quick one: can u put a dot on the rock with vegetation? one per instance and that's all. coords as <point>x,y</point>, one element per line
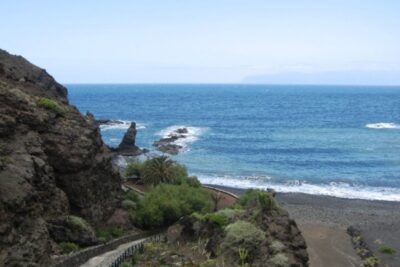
<point>52,163</point>
<point>257,231</point>
<point>72,229</point>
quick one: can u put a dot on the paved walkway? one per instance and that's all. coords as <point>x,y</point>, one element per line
<point>106,259</point>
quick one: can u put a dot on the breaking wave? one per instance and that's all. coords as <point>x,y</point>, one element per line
<point>383,125</point>
<point>120,124</point>
<point>334,189</point>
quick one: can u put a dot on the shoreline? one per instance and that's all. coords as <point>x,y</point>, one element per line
<point>324,221</point>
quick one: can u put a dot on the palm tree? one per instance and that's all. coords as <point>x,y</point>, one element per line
<point>158,170</point>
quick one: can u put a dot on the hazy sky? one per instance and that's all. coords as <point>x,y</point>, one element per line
<point>207,41</point>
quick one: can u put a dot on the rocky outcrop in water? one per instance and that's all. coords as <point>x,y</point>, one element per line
<point>168,145</point>
<point>52,163</point>
<point>127,145</point>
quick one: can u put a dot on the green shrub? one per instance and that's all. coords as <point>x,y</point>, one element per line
<point>135,169</point>
<point>242,235</point>
<point>387,250</point>
<point>128,205</point>
<point>78,223</point>
<point>166,203</point>
<point>106,234</point>
<point>50,104</point>
<point>280,260</point>
<point>193,181</point>
<point>276,246</point>
<point>230,214</point>
<point>132,196</point>
<point>68,247</point>
<point>217,219</point>
<point>371,262</point>
<point>252,196</point>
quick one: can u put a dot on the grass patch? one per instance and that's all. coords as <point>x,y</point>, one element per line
<point>132,196</point>
<point>78,223</point>
<point>50,104</point>
<point>68,247</point>
<point>387,250</point>
<point>106,234</point>
<point>371,262</point>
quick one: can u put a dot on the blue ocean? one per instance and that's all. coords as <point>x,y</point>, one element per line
<point>332,140</point>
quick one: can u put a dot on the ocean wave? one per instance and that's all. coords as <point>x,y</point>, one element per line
<point>383,125</point>
<point>120,125</point>
<point>334,189</point>
<point>192,135</point>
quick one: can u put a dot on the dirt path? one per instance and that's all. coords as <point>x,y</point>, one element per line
<point>328,246</point>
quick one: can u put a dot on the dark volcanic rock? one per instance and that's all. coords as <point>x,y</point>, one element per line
<point>52,162</point>
<point>128,141</point>
<point>71,229</point>
<point>167,144</point>
<point>127,145</point>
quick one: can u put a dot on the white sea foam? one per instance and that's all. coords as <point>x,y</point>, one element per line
<point>343,190</point>
<point>383,125</point>
<point>120,161</point>
<point>191,136</point>
<point>121,124</point>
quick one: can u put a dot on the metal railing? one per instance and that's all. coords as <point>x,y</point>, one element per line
<point>128,252</point>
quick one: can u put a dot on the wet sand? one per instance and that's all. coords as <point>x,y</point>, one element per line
<point>324,220</point>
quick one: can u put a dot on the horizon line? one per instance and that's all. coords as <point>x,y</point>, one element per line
<point>227,83</point>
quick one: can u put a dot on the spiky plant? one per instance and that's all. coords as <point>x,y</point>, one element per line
<point>158,170</point>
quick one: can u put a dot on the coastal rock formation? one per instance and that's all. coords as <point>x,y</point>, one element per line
<point>52,163</point>
<point>127,145</point>
<point>168,145</point>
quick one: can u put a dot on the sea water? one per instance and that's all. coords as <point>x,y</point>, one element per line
<point>332,140</point>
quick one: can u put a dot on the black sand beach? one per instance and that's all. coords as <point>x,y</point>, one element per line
<point>324,220</point>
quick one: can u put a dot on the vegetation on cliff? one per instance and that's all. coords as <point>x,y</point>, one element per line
<point>254,232</point>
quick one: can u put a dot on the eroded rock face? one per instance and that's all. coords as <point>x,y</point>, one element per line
<point>52,163</point>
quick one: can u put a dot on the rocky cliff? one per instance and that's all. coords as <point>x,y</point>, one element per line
<point>52,163</point>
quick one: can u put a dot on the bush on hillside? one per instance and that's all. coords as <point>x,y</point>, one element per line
<point>131,195</point>
<point>242,235</point>
<point>50,104</point>
<point>166,203</point>
<point>68,247</point>
<point>106,234</point>
<point>256,196</point>
<point>135,169</point>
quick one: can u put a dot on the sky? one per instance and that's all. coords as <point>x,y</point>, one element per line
<point>207,41</point>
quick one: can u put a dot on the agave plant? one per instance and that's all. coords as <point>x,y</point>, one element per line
<point>158,170</point>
